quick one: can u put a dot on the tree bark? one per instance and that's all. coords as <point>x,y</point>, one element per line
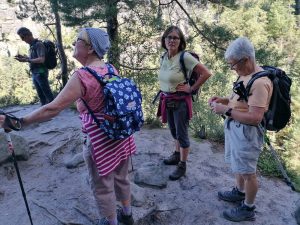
<point>61,52</point>
<point>297,7</point>
<point>112,30</point>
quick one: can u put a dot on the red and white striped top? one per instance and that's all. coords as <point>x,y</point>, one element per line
<point>107,153</point>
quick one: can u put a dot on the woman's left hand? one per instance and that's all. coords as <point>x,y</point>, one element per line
<point>183,88</point>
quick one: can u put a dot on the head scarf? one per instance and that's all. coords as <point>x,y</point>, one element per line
<point>99,40</point>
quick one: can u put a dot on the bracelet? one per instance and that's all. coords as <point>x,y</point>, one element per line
<point>228,112</point>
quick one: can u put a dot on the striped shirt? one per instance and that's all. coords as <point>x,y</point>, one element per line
<point>106,152</point>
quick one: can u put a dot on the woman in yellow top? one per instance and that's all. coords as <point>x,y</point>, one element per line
<point>175,99</point>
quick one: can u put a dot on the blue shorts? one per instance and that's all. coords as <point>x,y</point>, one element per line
<point>243,144</point>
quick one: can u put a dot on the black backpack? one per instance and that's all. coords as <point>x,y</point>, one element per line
<point>194,76</point>
<point>279,112</point>
<point>50,54</point>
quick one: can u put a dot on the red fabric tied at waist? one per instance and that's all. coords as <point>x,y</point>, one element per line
<point>162,109</point>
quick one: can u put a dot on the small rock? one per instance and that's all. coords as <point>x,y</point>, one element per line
<point>75,161</point>
<point>151,175</point>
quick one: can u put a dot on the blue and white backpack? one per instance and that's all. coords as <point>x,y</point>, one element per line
<point>123,113</point>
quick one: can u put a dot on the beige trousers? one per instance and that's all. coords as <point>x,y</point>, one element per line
<point>109,188</point>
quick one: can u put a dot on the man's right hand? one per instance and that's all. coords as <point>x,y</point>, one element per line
<point>22,58</point>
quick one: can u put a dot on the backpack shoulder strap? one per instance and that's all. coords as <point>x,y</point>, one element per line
<point>255,76</point>
<point>102,82</point>
<point>95,74</point>
<point>110,69</point>
<point>182,65</point>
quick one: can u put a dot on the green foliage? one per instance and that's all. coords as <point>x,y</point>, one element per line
<point>15,85</point>
<point>270,25</point>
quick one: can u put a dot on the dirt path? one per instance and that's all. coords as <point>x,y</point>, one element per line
<point>58,195</point>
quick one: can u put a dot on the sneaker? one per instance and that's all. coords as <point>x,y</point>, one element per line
<point>173,159</point>
<point>103,221</point>
<point>179,172</point>
<point>124,219</point>
<point>240,213</point>
<point>232,196</point>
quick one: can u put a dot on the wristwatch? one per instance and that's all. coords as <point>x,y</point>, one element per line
<point>228,112</point>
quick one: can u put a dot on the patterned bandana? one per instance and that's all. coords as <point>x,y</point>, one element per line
<point>99,40</point>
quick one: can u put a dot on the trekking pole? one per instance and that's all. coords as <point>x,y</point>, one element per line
<point>15,125</point>
<point>11,149</point>
<point>276,157</point>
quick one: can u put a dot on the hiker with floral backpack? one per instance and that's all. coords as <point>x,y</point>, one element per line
<point>107,159</point>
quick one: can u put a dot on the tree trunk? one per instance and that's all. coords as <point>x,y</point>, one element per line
<point>62,55</point>
<point>297,7</point>
<point>112,30</point>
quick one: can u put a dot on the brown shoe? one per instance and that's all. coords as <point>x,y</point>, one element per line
<point>179,172</point>
<point>173,159</point>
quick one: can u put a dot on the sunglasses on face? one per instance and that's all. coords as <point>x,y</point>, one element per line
<point>169,38</point>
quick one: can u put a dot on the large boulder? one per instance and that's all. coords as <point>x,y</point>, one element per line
<point>20,145</point>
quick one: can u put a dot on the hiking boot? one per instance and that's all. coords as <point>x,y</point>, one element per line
<point>232,196</point>
<point>240,213</point>
<point>103,221</point>
<point>124,219</point>
<point>173,159</point>
<point>179,172</point>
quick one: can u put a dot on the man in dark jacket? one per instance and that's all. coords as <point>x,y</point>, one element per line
<point>36,61</point>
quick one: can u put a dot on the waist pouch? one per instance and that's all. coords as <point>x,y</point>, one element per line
<point>172,104</point>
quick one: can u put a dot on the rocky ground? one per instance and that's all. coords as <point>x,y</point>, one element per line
<point>55,180</point>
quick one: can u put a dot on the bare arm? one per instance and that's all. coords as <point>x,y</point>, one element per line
<point>22,58</point>
<point>204,75</point>
<point>71,92</point>
<point>252,117</point>
<point>217,99</point>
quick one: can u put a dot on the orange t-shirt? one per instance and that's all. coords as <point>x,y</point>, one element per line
<point>260,94</point>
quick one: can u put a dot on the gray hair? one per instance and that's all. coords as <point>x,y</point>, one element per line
<point>240,48</point>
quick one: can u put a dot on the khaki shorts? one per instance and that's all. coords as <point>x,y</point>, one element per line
<point>243,144</point>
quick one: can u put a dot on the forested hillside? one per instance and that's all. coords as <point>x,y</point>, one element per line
<point>135,28</point>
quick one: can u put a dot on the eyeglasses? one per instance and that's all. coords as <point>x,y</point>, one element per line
<point>169,38</point>
<point>232,66</point>
<point>79,39</point>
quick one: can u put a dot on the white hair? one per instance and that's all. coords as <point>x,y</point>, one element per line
<point>240,48</point>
